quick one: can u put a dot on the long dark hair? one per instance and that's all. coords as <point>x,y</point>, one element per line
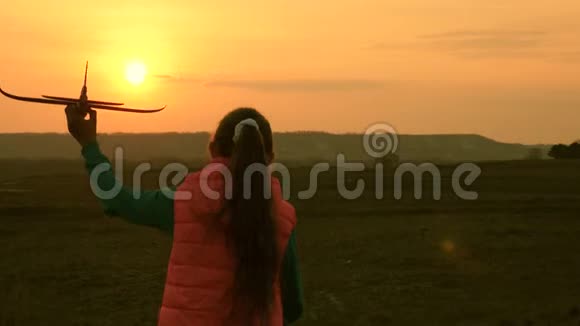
<point>252,227</point>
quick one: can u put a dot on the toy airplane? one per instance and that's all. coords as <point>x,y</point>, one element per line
<point>83,100</point>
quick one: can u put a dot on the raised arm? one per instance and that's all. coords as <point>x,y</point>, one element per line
<point>292,290</point>
<point>144,207</point>
<point>153,208</point>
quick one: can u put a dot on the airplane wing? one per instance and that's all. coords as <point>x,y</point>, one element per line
<point>116,108</point>
<point>64,101</point>
<point>37,100</point>
<point>75,99</point>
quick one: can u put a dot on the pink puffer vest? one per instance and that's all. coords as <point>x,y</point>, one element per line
<point>200,275</point>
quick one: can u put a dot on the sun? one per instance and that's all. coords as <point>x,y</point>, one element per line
<point>135,73</point>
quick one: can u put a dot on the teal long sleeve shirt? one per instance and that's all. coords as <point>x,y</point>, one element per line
<point>153,208</point>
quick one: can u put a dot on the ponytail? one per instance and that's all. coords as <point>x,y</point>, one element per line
<point>252,227</point>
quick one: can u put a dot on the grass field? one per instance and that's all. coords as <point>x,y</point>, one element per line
<point>512,257</point>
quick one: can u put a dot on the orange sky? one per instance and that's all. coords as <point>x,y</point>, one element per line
<point>509,70</point>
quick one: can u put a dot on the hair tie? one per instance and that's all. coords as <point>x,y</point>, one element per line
<point>240,126</point>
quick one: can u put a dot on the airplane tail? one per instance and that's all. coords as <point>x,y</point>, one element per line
<point>84,97</point>
<point>86,71</point>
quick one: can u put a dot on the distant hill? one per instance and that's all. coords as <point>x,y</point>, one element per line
<point>290,147</point>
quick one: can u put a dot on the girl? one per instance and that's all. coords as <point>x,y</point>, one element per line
<point>233,260</point>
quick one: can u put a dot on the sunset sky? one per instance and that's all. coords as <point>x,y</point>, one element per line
<point>508,70</point>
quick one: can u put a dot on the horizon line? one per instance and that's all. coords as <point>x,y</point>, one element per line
<point>280,133</point>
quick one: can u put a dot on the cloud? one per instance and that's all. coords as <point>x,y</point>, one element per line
<point>485,40</point>
<point>484,34</point>
<point>163,76</point>
<point>566,57</point>
<point>291,85</point>
<point>300,85</point>
<point>476,43</point>
<point>176,79</point>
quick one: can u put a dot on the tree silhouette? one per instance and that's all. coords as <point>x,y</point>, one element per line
<point>561,151</point>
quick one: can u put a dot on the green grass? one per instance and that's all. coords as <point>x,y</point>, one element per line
<point>510,258</point>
